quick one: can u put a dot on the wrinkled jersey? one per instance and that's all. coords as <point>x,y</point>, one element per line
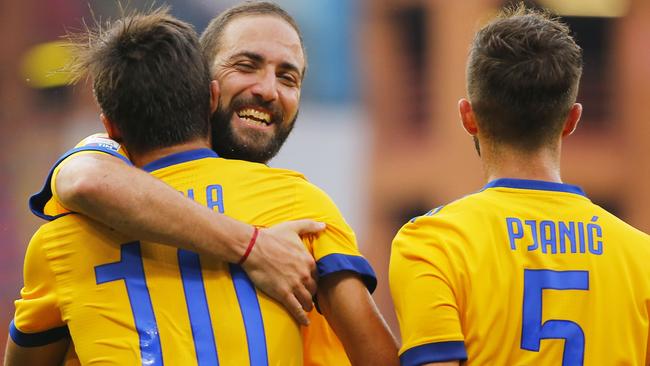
<point>522,273</point>
<point>129,302</point>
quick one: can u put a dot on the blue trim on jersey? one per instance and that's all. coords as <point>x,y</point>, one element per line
<point>535,184</point>
<point>38,200</point>
<point>429,213</point>
<point>205,346</point>
<point>181,157</point>
<point>333,263</point>
<point>434,352</point>
<point>130,269</point>
<point>251,313</point>
<point>37,339</point>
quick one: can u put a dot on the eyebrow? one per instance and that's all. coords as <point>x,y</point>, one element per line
<point>259,58</point>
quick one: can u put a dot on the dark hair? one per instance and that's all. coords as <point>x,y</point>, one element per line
<point>522,77</point>
<point>149,76</point>
<point>211,36</point>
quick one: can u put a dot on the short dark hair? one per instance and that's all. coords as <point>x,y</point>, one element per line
<point>522,77</point>
<point>149,77</point>
<point>211,36</point>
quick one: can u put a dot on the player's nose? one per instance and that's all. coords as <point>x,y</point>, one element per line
<point>265,86</point>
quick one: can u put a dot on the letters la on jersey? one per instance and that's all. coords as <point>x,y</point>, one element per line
<point>130,302</point>
<point>522,273</point>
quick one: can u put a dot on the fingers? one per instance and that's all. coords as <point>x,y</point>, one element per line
<point>304,297</point>
<point>282,268</point>
<point>310,283</point>
<point>307,274</point>
<point>296,310</point>
<point>306,226</point>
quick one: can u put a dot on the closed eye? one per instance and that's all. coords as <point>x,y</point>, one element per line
<point>288,79</point>
<point>245,66</point>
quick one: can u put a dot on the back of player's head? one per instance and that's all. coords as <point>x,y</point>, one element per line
<point>149,77</point>
<point>213,33</point>
<point>522,77</point>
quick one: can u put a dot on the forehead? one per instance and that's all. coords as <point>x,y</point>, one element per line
<point>268,35</point>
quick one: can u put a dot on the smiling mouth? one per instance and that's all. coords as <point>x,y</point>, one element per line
<point>255,116</point>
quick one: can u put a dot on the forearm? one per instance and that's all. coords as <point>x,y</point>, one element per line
<point>51,354</point>
<point>353,315</point>
<point>139,205</point>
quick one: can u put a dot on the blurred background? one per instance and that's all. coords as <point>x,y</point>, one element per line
<point>378,128</point>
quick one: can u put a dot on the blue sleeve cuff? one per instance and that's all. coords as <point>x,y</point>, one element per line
<point>434,352</point>
<point>37,339</point>
<point>38,200</point>
<point>333,263</point>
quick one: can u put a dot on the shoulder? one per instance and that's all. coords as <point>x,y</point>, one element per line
<point>43,203</point>
<point>451,214</point>
<point>314,200</point>
<point>101,143</point>
<point>253,171</point>
<point>307,195</point>
<point>622,230</point>
<point>442,227</point>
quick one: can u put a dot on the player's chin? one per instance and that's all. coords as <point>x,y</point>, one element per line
<point>254,137</point>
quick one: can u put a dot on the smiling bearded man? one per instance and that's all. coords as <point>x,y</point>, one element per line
<point>259,62</point>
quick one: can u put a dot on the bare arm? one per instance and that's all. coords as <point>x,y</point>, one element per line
<point>139,205</point>
<point>48,355</point>
<point>352,313</point>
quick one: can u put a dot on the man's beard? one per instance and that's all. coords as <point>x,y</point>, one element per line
<point>256,146</point>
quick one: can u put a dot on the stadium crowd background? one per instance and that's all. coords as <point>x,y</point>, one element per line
<point>378,128</point>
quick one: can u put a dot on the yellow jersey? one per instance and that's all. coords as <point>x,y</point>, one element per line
<point>522,273</point>
<point>129,302</point>
<point>43,203</point>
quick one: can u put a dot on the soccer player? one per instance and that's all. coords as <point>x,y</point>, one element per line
<point>128,301</point>
<point>93,180</point>
<point>244,63</point>
<point>527,271</point>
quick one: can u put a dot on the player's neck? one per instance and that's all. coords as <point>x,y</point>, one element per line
<point>143,159</point>
<point>510,163</point>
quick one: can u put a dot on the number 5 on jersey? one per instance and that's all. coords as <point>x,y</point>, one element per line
<point>533,331</point>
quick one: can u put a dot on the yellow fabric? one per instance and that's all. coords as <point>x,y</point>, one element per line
<point>100,316</point>
<point>321,347</point>
<point>458,275</point>
<point>53,207</point>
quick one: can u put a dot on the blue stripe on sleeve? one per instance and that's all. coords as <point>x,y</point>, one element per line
<point>37,339</point>
<point>38,200</point>
<point>434,352</point>
<point>333,263</point>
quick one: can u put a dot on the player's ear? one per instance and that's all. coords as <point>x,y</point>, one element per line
<point>214,96</point>
<point>112,129</point>
<point>467,117</point>
<point>572,119</point>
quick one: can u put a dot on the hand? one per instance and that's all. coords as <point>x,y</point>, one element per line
<point>281,267</point>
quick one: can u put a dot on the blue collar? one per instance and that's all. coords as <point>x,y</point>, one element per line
<point>178,158</point>
<point>534,184</point>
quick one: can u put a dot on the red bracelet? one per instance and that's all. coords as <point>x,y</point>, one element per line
<point>251,244</point>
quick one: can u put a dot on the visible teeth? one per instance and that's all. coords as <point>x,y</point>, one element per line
<point>252,121</point>
<point>250,112</point>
